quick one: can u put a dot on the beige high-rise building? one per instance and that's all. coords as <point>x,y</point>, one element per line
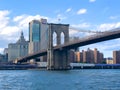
<point>84,56</point>
<point>91,56</point>
<point>98,57</point>
<point>116,57</point>
<point>18,49</point>
<point>77,55</point>
<point>38,35</point>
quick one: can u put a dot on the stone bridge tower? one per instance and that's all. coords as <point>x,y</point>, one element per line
<point>58,59</point>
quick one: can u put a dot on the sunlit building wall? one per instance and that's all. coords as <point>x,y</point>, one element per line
<point>18,49</point>
<point>116,57</point>
<point>38,36</point>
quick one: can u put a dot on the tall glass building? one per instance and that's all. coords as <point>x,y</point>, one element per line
<point>34,31</point>
<point>38,31</point>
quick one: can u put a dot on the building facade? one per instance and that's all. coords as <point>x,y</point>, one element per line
<point>77,58</point>
<point>116,57</point>
<point>2,58</point>
<point>18,49</point>
<point>109,61</point>
<point>38,35</point>
<point>5,53</point>
<point>89,56</point>
<point>98,56</point>
<point>72,56</point>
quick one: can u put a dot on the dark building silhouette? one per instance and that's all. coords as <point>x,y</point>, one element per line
<point>5,54</point>
<point>72,56</point>
<point>81,57</point>
<point>90,56</point>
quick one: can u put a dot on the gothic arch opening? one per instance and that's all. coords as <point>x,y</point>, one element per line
<point>62,38</point>
<point>54,39</point>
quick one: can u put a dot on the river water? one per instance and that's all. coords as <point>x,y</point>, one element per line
<point>83,79</point>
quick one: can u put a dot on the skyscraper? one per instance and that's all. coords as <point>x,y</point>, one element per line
<point>34,31</point>
<point>38,35</point>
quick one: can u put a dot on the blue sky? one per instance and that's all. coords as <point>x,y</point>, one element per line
<point>97,15</point>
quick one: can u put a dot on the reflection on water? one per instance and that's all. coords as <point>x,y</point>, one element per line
<point>98,79</point>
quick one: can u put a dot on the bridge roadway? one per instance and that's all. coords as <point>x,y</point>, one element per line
<point>108,35</point>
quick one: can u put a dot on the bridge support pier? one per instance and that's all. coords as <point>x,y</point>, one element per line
<point>59,61</point>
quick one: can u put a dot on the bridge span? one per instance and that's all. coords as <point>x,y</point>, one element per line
<point>108,35</point>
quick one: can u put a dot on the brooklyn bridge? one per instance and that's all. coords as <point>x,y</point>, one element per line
<point>57,56</point>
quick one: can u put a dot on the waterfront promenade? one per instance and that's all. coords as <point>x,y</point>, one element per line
<point>43,65</point>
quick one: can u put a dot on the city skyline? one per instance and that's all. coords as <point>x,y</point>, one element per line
<point>15,16</point>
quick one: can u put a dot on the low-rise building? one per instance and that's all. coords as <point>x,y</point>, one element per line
<point>109,61</point>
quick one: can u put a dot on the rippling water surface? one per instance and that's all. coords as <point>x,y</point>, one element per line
<point>89,79</point>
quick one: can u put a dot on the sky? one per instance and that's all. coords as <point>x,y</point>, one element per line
<point>97,15</point>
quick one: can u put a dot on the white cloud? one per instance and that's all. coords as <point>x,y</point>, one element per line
<point>82,11</point>
<point>68,10</point>
<point>4,20</point>
<point>80,30</point>
<point>18,18</point>
<point>81,26</point>
<point>23,20</point>
<point>72,31</point>
<point>114,17</point>
<point>1,50</point>
<point>6,31</point>
<point>108,26</point>
<point>9,30</point>
<point>92,0</point>
<point>4,13</point>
